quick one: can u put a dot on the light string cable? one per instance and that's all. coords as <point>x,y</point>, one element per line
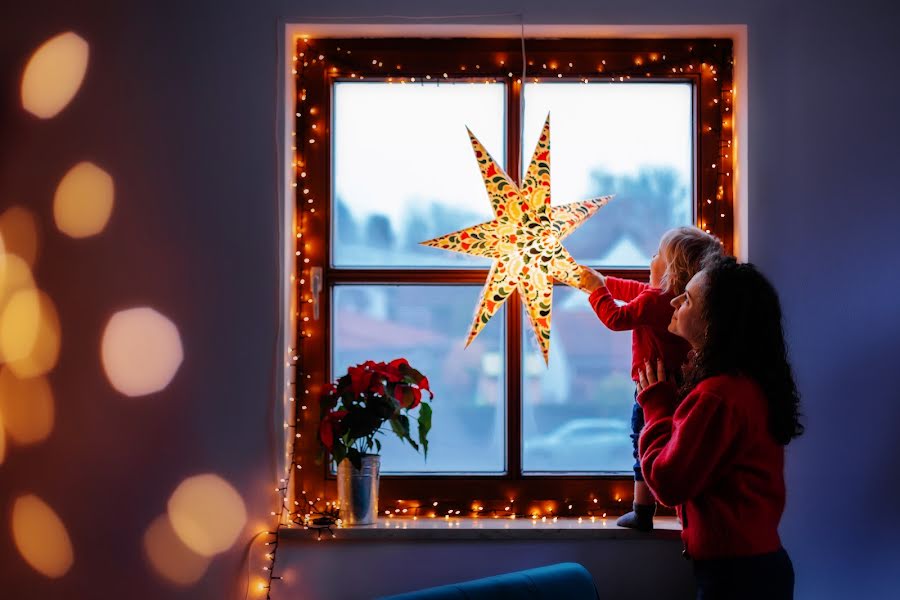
<point>276,417</point>
<point>371,18</point>
<point>302,511</point>
<point>522,93</point>
<point>328,516</point>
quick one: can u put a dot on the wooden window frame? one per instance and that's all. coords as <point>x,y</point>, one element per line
<point>705,63</point>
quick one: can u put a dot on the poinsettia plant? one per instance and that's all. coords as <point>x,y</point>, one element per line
<point>356,407</point>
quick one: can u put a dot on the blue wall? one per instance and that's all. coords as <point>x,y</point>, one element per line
<point>178,105</point>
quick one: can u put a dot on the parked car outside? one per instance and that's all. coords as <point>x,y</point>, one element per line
<point>585,444</point>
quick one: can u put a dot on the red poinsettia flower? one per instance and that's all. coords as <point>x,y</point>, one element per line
<point>331,426</point>
<point>391,370</point>
<point>368,395</point>
<point>397,362</point>
<point>423,384</point>
<point>376,386</point>
<point>382,370</point>
<point>360,377</point>
<point>408,396</point>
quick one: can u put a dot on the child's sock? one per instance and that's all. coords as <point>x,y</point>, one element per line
<point>641,518</point>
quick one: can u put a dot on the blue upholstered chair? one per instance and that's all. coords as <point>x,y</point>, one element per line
<point>563,581</point>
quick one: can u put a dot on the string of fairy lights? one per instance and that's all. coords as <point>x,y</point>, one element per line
<point>296,508</point>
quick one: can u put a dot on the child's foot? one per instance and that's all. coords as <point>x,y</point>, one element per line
<point>641,518</point>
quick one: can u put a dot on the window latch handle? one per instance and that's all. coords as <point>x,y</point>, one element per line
<point>315,285</point>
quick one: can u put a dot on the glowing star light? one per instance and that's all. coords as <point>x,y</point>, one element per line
<point>524,239</point>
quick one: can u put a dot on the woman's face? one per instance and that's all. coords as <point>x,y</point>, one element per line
<point>687,320</point>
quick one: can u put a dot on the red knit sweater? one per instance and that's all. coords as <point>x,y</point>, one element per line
<point>713,457</point>
<point>647,313</point>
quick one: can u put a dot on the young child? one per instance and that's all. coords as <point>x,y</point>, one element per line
<point>647,314</point>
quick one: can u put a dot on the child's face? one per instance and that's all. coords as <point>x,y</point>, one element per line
<point>658,266</point>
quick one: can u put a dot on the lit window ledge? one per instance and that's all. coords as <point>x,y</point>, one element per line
<point>488,528</point>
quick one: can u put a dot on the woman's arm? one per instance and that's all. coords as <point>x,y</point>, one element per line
<point>682,449</point>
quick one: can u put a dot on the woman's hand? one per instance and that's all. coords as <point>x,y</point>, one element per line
<point>591,280</point>
<point>650,374</point>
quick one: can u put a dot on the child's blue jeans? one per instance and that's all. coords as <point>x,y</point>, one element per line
<point>637,424</point>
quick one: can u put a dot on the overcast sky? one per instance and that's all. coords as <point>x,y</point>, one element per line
<point>400,144</point>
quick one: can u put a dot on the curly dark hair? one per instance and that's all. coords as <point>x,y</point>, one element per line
<point>745,335</point>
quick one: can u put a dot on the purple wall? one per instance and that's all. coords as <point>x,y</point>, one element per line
<point>178,105</point>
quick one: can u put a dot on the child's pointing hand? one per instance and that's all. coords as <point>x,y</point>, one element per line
<point>591,279</point>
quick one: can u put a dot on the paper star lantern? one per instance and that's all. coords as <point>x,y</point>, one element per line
<point>524,239</point>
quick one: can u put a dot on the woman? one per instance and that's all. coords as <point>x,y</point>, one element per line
<point>715,448</point>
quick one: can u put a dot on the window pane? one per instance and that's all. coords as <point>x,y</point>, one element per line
<point>629,139</point>
<point>428,326</point>
<point>577,413</point>
<point>404,170</point>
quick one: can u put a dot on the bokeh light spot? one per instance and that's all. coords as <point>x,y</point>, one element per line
<point>19,323</point>
<point>27,407</point>
<point>29,333</point>
<point>207,514</point>
<point>19,229</point>
<point>14,276</point>
<point>168,555</point>
<point>141,351</point>
<point>83,201</point>
<point>41,537</point>
<point>54,74</point>
<point>2,438</point>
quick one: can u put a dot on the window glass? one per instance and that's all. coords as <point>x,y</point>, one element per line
<point>633,140</point>
<point>576,414</point>
<point>427,325</point>
<point>405,172</point>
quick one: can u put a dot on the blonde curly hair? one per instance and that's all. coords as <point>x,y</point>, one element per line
<point>684,249</point>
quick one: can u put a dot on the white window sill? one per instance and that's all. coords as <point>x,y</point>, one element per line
<point>424,528</point>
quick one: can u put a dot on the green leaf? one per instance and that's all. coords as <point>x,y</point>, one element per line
<point>397,425</point>
<point>355,458</point>
<point>424,426</point>
<point>339,452</point>
<point>377,446</point>
<point>404,420</point>
<point>384,407</point>
<point>347,398</point>
<point>400,425</point>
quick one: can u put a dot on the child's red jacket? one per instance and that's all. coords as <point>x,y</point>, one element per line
<point>647,313</point>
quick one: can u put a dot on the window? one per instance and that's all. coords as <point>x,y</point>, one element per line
<point>383,163</point>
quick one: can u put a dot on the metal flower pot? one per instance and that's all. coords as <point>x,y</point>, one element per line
<point>358,490</point>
